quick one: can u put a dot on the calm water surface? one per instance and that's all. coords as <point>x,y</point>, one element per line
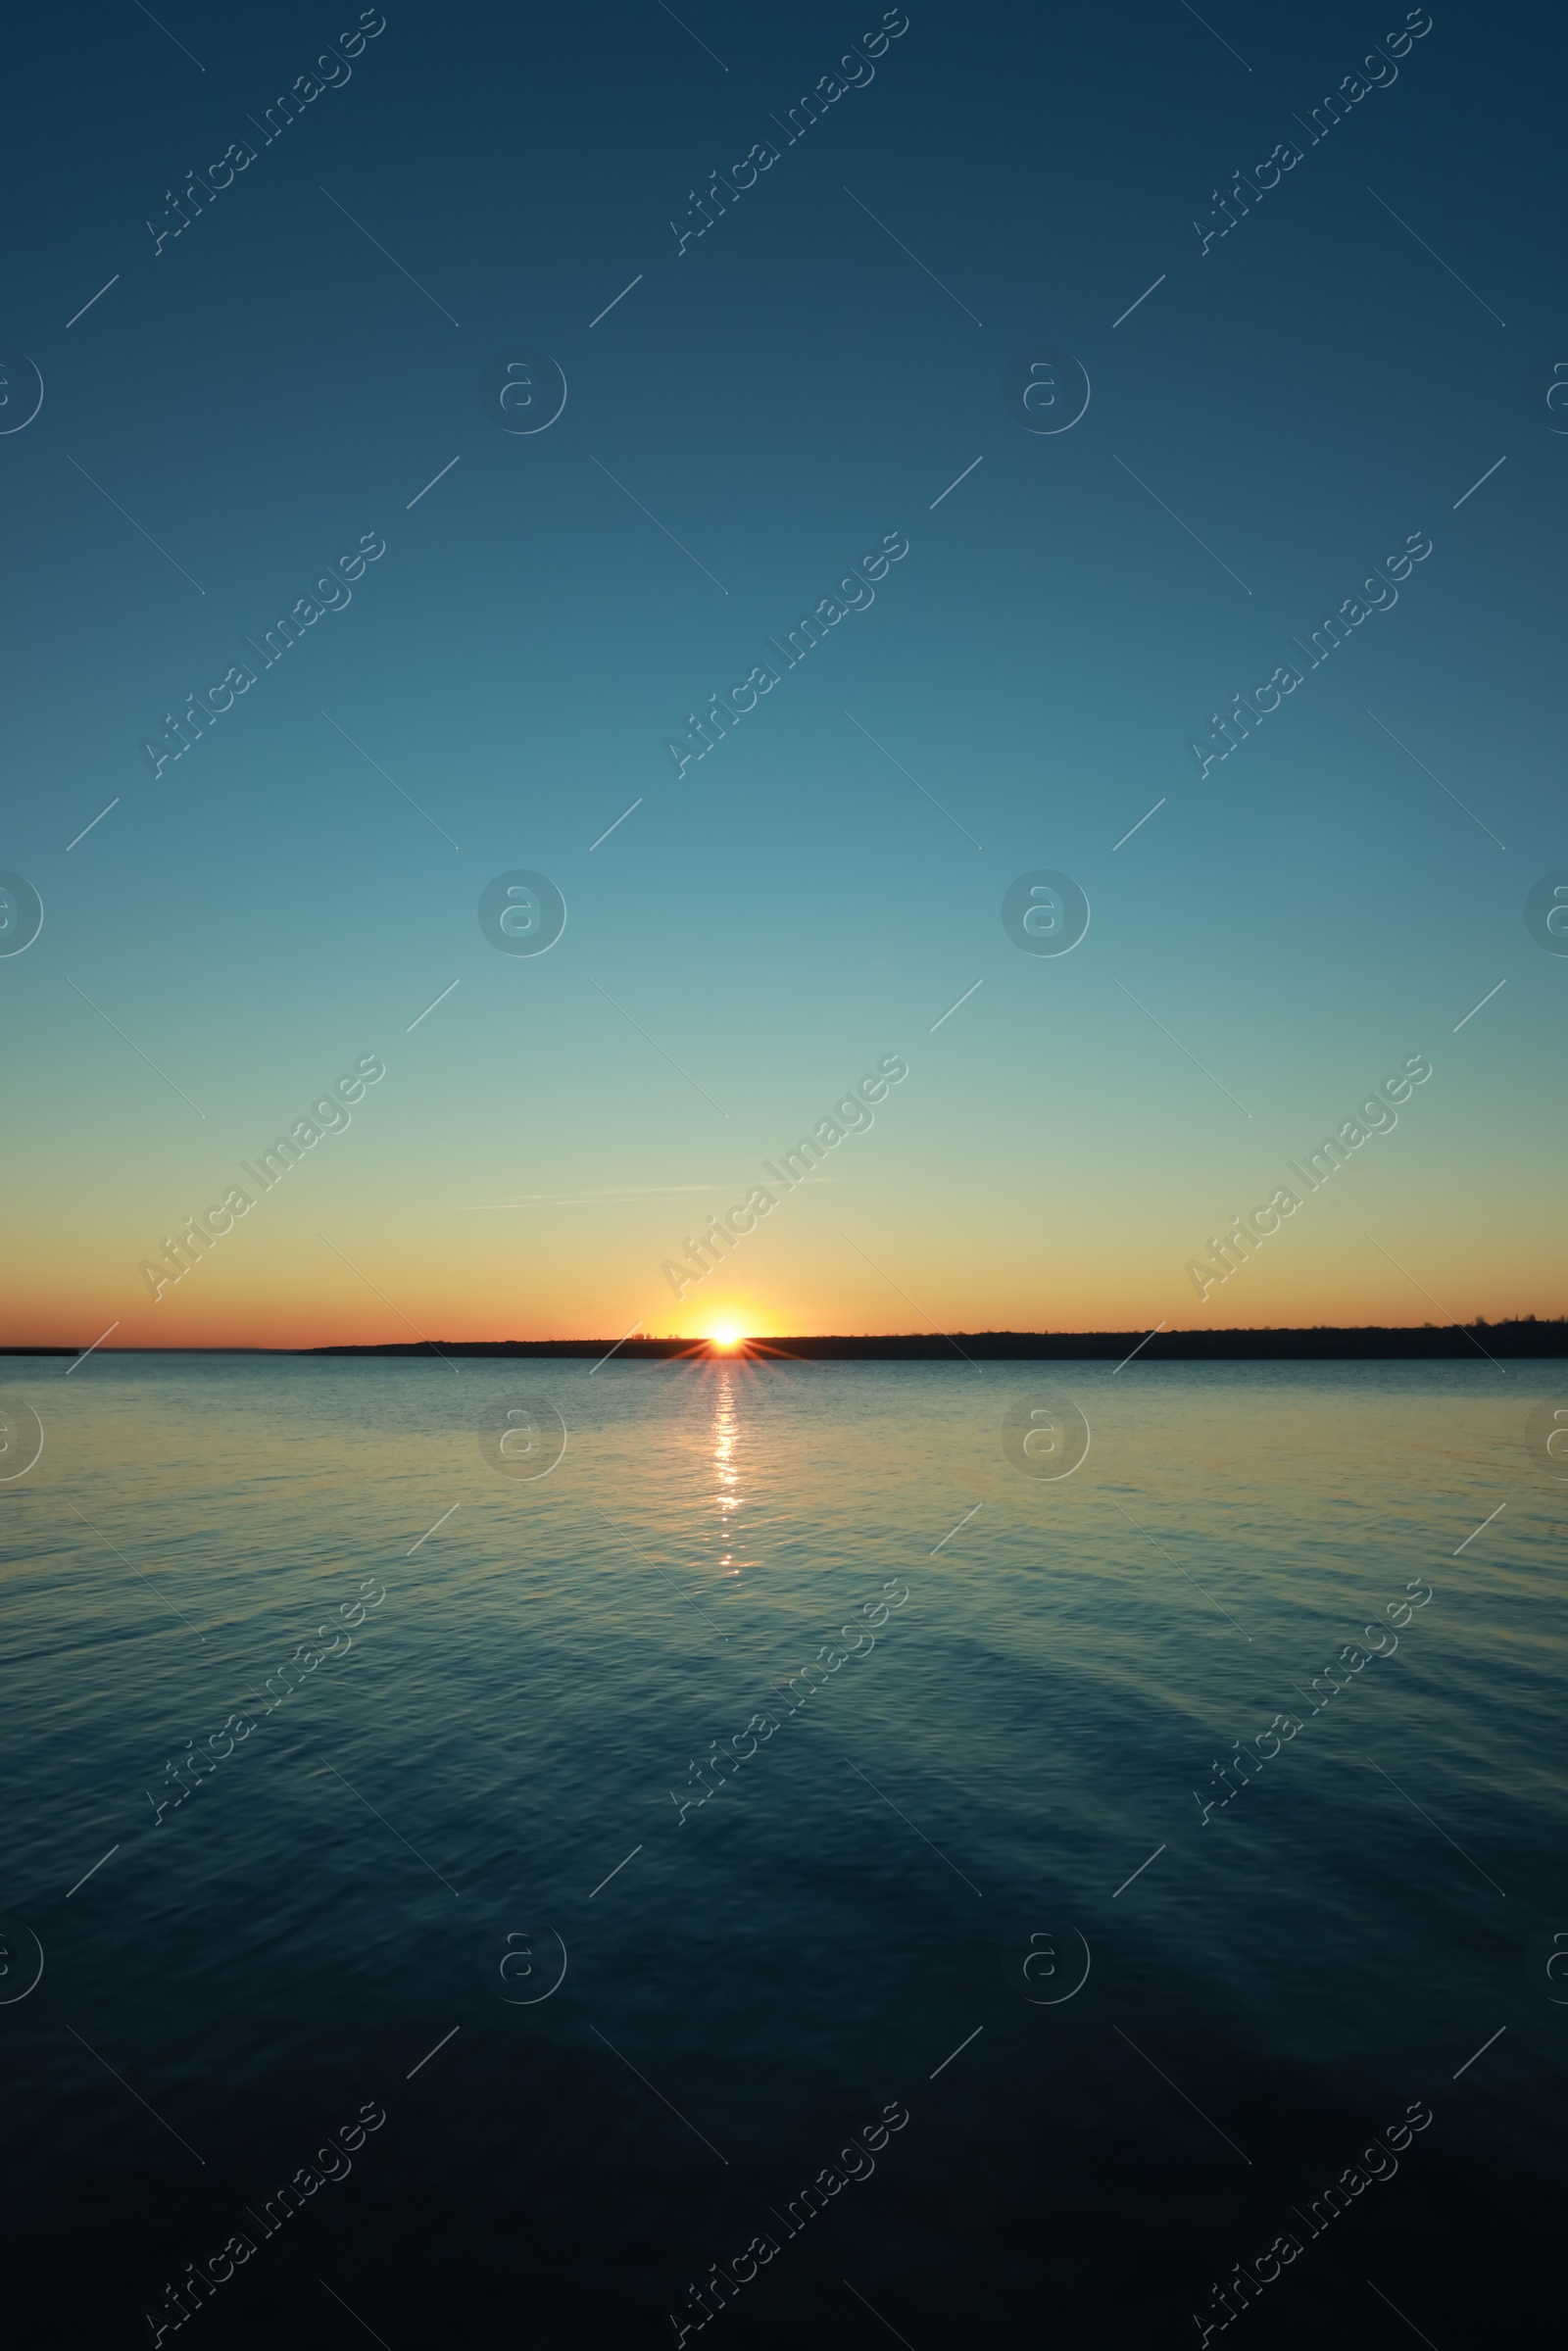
<point>506,1768</point>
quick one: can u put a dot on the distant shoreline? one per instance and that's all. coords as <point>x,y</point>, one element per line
<point>1325,1342</point>
<point>1454,1342</point>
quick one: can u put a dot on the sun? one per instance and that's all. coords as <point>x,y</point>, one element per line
<point>726,1334</point>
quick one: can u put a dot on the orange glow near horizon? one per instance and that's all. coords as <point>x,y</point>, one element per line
<point>277,1283</point>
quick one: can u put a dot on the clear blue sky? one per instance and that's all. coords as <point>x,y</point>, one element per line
<point>272,384</point>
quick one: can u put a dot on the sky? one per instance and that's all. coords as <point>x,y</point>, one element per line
<point>762,402</point>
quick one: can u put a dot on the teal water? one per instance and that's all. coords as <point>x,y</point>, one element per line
<point>492,1759</point>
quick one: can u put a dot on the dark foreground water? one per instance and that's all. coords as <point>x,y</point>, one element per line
<point>443,1767</point>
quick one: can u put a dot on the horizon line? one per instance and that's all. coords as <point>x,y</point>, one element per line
<point>1167,1343</point>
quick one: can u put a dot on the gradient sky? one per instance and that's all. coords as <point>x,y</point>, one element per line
<point>272,384</point>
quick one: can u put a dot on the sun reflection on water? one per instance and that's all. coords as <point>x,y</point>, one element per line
<point>726,1433</point>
